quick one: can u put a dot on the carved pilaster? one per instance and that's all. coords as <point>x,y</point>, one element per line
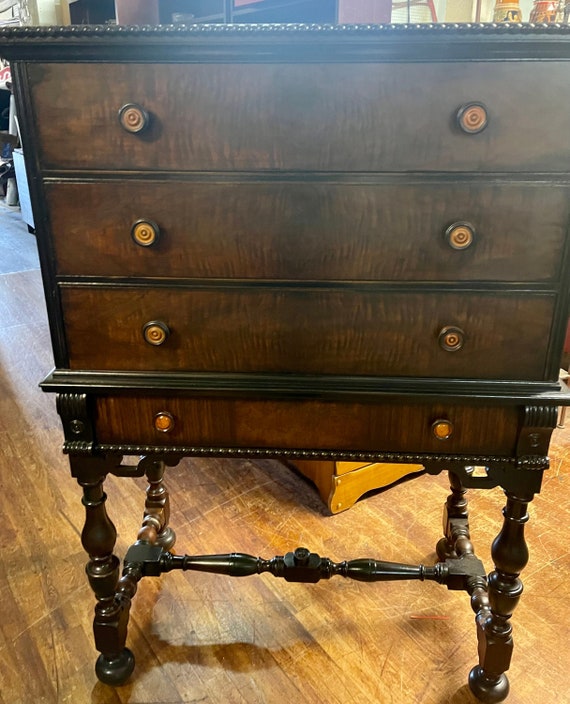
<point>538,422</point>
<point>77,421</point>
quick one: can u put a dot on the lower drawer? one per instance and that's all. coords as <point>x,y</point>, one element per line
<point>306,424</point>
<point>309,330</point>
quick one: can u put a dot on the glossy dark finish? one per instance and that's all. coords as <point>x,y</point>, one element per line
<point>331,228</point>
<point>311,424</point>
<point>301,565</point>
<point>344,331</point>
<point>272,116</point>
<point>309,186</point>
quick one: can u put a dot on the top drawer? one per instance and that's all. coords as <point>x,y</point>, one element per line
<point>321,117</point>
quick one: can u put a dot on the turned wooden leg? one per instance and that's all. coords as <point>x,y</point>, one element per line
<point>155,526</point>
<point>494,631</point>
<point>455,519</point>
<point>98,537</point>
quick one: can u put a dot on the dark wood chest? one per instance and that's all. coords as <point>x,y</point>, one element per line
<point>303,242</point>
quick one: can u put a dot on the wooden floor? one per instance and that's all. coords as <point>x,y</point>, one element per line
<point>208,639</point>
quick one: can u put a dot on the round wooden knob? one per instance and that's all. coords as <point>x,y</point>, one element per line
<point>472,118</point>
<point>145,233</point>
<point>164,421</point>
<point>156,332</point>
<point>442,429</point>
<point>451,338</point>
<point>133,118</point>
<point>460,235</point>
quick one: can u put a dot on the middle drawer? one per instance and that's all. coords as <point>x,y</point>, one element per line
<point>431,230</point>
<point>308,330</point>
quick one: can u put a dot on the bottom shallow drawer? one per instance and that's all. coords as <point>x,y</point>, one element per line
<point>306,424</point>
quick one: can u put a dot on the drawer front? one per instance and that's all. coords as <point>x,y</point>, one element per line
<point>323,117</point>
<point>388,427</point>
<point>308,330</point>
<point>310,230</point>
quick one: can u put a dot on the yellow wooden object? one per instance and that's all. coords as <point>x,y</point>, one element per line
<point>341,484</point>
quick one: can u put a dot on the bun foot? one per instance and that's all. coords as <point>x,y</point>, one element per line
<point>486,689</point>
<point>117,670</point>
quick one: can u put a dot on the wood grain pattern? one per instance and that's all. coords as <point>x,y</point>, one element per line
<point>390,426</point>
<point>213,640</point>
<point>323,117</point>
<point>309,230</point>
<point>300,330</point>
<point>256,640</point>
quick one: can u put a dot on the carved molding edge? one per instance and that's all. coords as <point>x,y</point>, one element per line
<point>75,447</point>
<point>119,31</point>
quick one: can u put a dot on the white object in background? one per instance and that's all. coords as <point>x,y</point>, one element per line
<point>12,124</point>
<point>23,190</point>
<point>9,13</point>
<point>11,187</point>
<point>44,12</point>
<point>11,192</point>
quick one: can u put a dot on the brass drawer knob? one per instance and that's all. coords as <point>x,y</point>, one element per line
<point>451,338</point>
<point>155,332</point>
<point>460,235</point>
<point>133,118</point>
<point>442,429</point>
<point>164,422</point>
<point>145,233</point>
<point>472,118</point>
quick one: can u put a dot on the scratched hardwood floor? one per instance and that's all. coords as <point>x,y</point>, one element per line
<point>202,638</point>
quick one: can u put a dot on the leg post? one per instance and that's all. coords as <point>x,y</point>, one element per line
<point>155,528</point>
<point>488,680</point>
<point>455,519</point>
<point>116,662</point>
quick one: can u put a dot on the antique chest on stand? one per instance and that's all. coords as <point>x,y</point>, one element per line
<point>328,243</point>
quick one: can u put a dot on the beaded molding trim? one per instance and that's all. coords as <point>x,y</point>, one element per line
<point>120,31</point>
<point>528,462</point>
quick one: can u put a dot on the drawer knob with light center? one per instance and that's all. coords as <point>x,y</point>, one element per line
<point>156,333</point>
<point>460,235</point>
<point>145,233</point>
<point>451,338</point>
<point>164,422</point>
<point>472,118</point>
<point>134,118</point>
<point>442,428</point>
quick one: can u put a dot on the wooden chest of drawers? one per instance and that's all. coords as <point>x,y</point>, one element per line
<point>306,243</point>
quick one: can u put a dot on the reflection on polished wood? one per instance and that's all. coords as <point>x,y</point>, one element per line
<point>212,639</point>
